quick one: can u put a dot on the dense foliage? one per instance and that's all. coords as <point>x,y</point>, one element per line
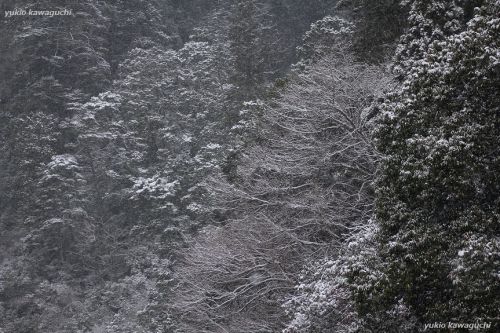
<point>438,203</point>
<point>294,166</point>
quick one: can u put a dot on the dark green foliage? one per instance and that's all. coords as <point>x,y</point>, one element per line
<point>438,202</point>
<point>378,26</point>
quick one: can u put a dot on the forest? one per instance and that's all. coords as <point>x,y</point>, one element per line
<point>249,166</point>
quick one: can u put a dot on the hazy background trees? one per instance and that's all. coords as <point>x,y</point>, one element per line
<point>111,119</point>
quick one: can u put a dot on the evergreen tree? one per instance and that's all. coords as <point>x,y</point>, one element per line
<point>438,192</point>
<point>379,24</point>
<point>245,48</point>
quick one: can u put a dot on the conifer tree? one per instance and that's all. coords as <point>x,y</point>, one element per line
<point>438,195</point>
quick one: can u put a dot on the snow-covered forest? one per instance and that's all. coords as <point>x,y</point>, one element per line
<point>249,166</point>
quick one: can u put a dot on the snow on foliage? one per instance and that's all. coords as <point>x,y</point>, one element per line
<point>438,190</point>
<point>156,186</point>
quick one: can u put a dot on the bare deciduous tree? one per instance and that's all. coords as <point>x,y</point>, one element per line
<point>300,191</point>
